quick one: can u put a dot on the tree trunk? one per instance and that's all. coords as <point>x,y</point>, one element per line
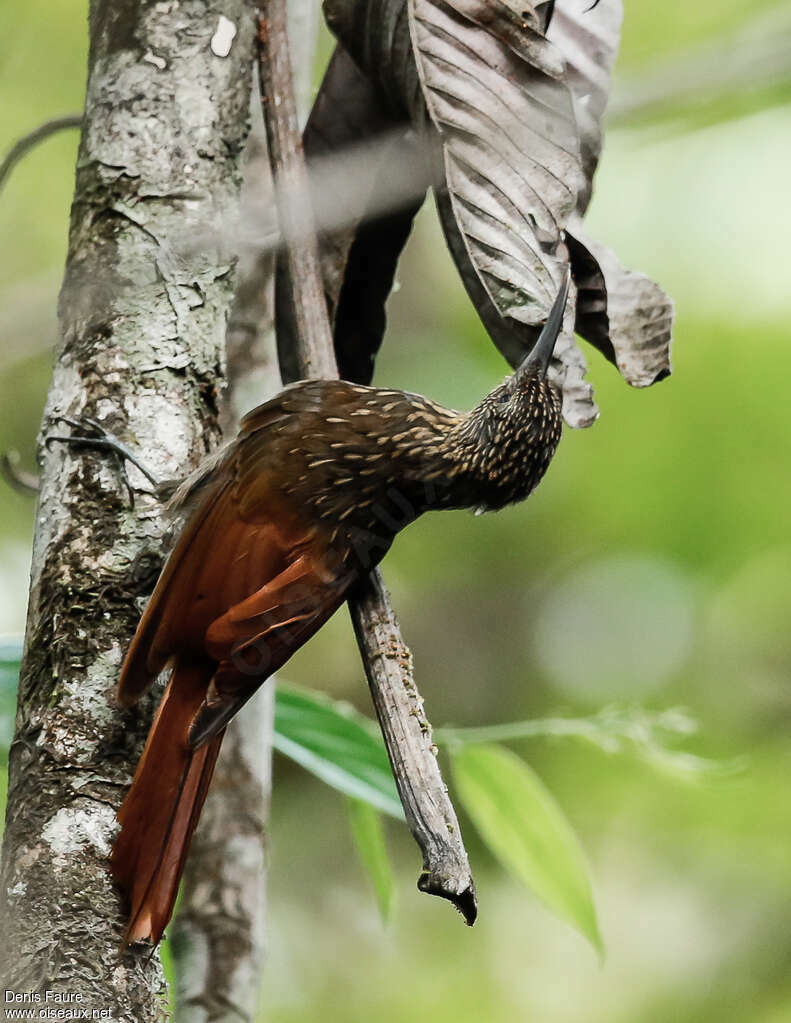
<point>143,312</point>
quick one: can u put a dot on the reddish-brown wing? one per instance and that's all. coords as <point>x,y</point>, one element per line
<point>251,578</point>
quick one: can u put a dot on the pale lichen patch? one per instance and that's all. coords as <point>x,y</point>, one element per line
<point>223,38</point>
<point>88,694</point>
<point>119,976</point>
<point>172,454</point>
<point>75,828</point>
<point>27,858</point>
<point>155,59</point>
<point>70,747</point>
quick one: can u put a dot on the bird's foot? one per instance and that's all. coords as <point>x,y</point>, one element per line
<point>94,436</point>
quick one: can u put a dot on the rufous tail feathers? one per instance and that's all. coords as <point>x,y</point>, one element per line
<point>161,809</point>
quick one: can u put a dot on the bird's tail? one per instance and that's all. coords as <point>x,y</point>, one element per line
<point>161,809</point>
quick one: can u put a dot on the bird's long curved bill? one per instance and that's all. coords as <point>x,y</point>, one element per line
<point>538,358</point>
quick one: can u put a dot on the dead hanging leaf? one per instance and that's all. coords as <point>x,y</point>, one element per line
<point>589,41</point>
<point>509,143</point>
<point>376,34</point>
<point>513,120</point>
<point>346,113</point>
<point>368,180</point>
<point>504,133</point>
<point>373,256</point>
<point>623,313</point>
<point>512,165</point>
<point>568,368</point>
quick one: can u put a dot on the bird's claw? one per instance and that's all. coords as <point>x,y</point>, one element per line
<point>100,439</point>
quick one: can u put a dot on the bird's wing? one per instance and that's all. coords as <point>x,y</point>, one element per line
<point>247,556</point>
<point>256,636</point>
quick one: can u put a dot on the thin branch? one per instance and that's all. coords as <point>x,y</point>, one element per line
<point>313,338</point>
<point>18,479</point>
<point>413,755</point>
<point>32,139</point>
<point>388,663</point>
<point>611,730</point>
<point>735,72</point>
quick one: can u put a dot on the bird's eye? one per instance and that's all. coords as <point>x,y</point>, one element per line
<point>503,398</point>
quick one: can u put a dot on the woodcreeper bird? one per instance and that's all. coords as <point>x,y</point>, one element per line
<point>304,502</point>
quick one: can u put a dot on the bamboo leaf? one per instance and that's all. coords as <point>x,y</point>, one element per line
<point>332,741</point>
<point>368,832</point>
<point>523,825</point>
<point>10,659</point>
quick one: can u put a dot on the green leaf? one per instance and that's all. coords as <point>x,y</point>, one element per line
<point>368,832</point>
<point>525,828</point>
<point>10,657</point>
<point>334,742</point>
<point>3,797</point>
<point>168,968</point>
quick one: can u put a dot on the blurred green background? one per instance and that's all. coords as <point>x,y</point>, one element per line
<point>652,568</point>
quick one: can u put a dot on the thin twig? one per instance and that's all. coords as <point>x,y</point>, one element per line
<point>313,339</point>
<point>19,479</point>
<point>387,660</point>
<point>32,139</point>
<point>407,734</point>
<point>728,75</point>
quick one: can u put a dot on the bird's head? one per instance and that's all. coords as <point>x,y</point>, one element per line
<point>512,434</point>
